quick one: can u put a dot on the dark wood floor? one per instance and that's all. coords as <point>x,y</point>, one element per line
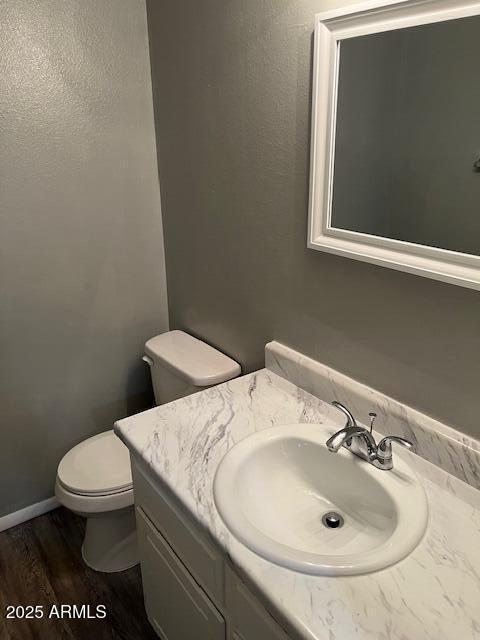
<point>40,564</point>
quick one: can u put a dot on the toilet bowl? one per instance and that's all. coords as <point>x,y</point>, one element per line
<point>94,478</point>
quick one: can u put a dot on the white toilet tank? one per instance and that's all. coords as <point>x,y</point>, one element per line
<point>180,365</point>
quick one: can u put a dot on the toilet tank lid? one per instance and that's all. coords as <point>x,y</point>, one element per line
<point>194,361</point>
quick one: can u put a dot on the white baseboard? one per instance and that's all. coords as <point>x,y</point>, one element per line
<point>34,510</point>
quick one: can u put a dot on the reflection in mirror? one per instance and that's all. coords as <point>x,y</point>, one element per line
<point>407,146</point>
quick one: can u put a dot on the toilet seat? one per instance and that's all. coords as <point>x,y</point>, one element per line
<point>97,467</point>
<point>93,504</point>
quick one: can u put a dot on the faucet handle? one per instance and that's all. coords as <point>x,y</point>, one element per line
<point>384,449</point>
<point>351,422</point>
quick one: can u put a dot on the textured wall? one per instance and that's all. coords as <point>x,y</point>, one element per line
<point>232,84</point>
<point>81,253</point>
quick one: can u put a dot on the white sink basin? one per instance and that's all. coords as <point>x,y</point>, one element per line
<point>273,489</point>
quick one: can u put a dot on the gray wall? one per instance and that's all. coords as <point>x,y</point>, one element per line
<point>404,156</point>
<point>82,274</point>
<point>232,83</point>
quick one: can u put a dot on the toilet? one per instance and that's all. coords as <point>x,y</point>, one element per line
<point>94,478</point>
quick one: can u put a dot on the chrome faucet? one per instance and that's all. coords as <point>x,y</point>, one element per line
<point>384,451</point>
<point>361,442</point>
<point>350,419</point>
<point>356,439</point>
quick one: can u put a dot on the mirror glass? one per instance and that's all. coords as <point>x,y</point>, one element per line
<point>407,139</point>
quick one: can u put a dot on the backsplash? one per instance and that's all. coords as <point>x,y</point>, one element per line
<point>441,445</point>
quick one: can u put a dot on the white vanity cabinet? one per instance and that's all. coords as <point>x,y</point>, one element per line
<point>248,620</point>
<point>190,592</point>
<point>177,608</point>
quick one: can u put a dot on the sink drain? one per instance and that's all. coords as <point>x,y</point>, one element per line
<point>332,520</point>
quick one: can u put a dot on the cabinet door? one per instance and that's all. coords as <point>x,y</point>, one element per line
<point>177,607</point>
<point>190,544</point>
<point>248,619</point>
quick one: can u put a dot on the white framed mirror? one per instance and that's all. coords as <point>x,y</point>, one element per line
<point>395,149</point>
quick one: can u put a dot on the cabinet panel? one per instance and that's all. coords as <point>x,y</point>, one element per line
<point>183,534</point>
<point>177,607</point>
<point>249,620</point>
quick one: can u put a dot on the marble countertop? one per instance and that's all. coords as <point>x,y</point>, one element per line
<point>434,594</point>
